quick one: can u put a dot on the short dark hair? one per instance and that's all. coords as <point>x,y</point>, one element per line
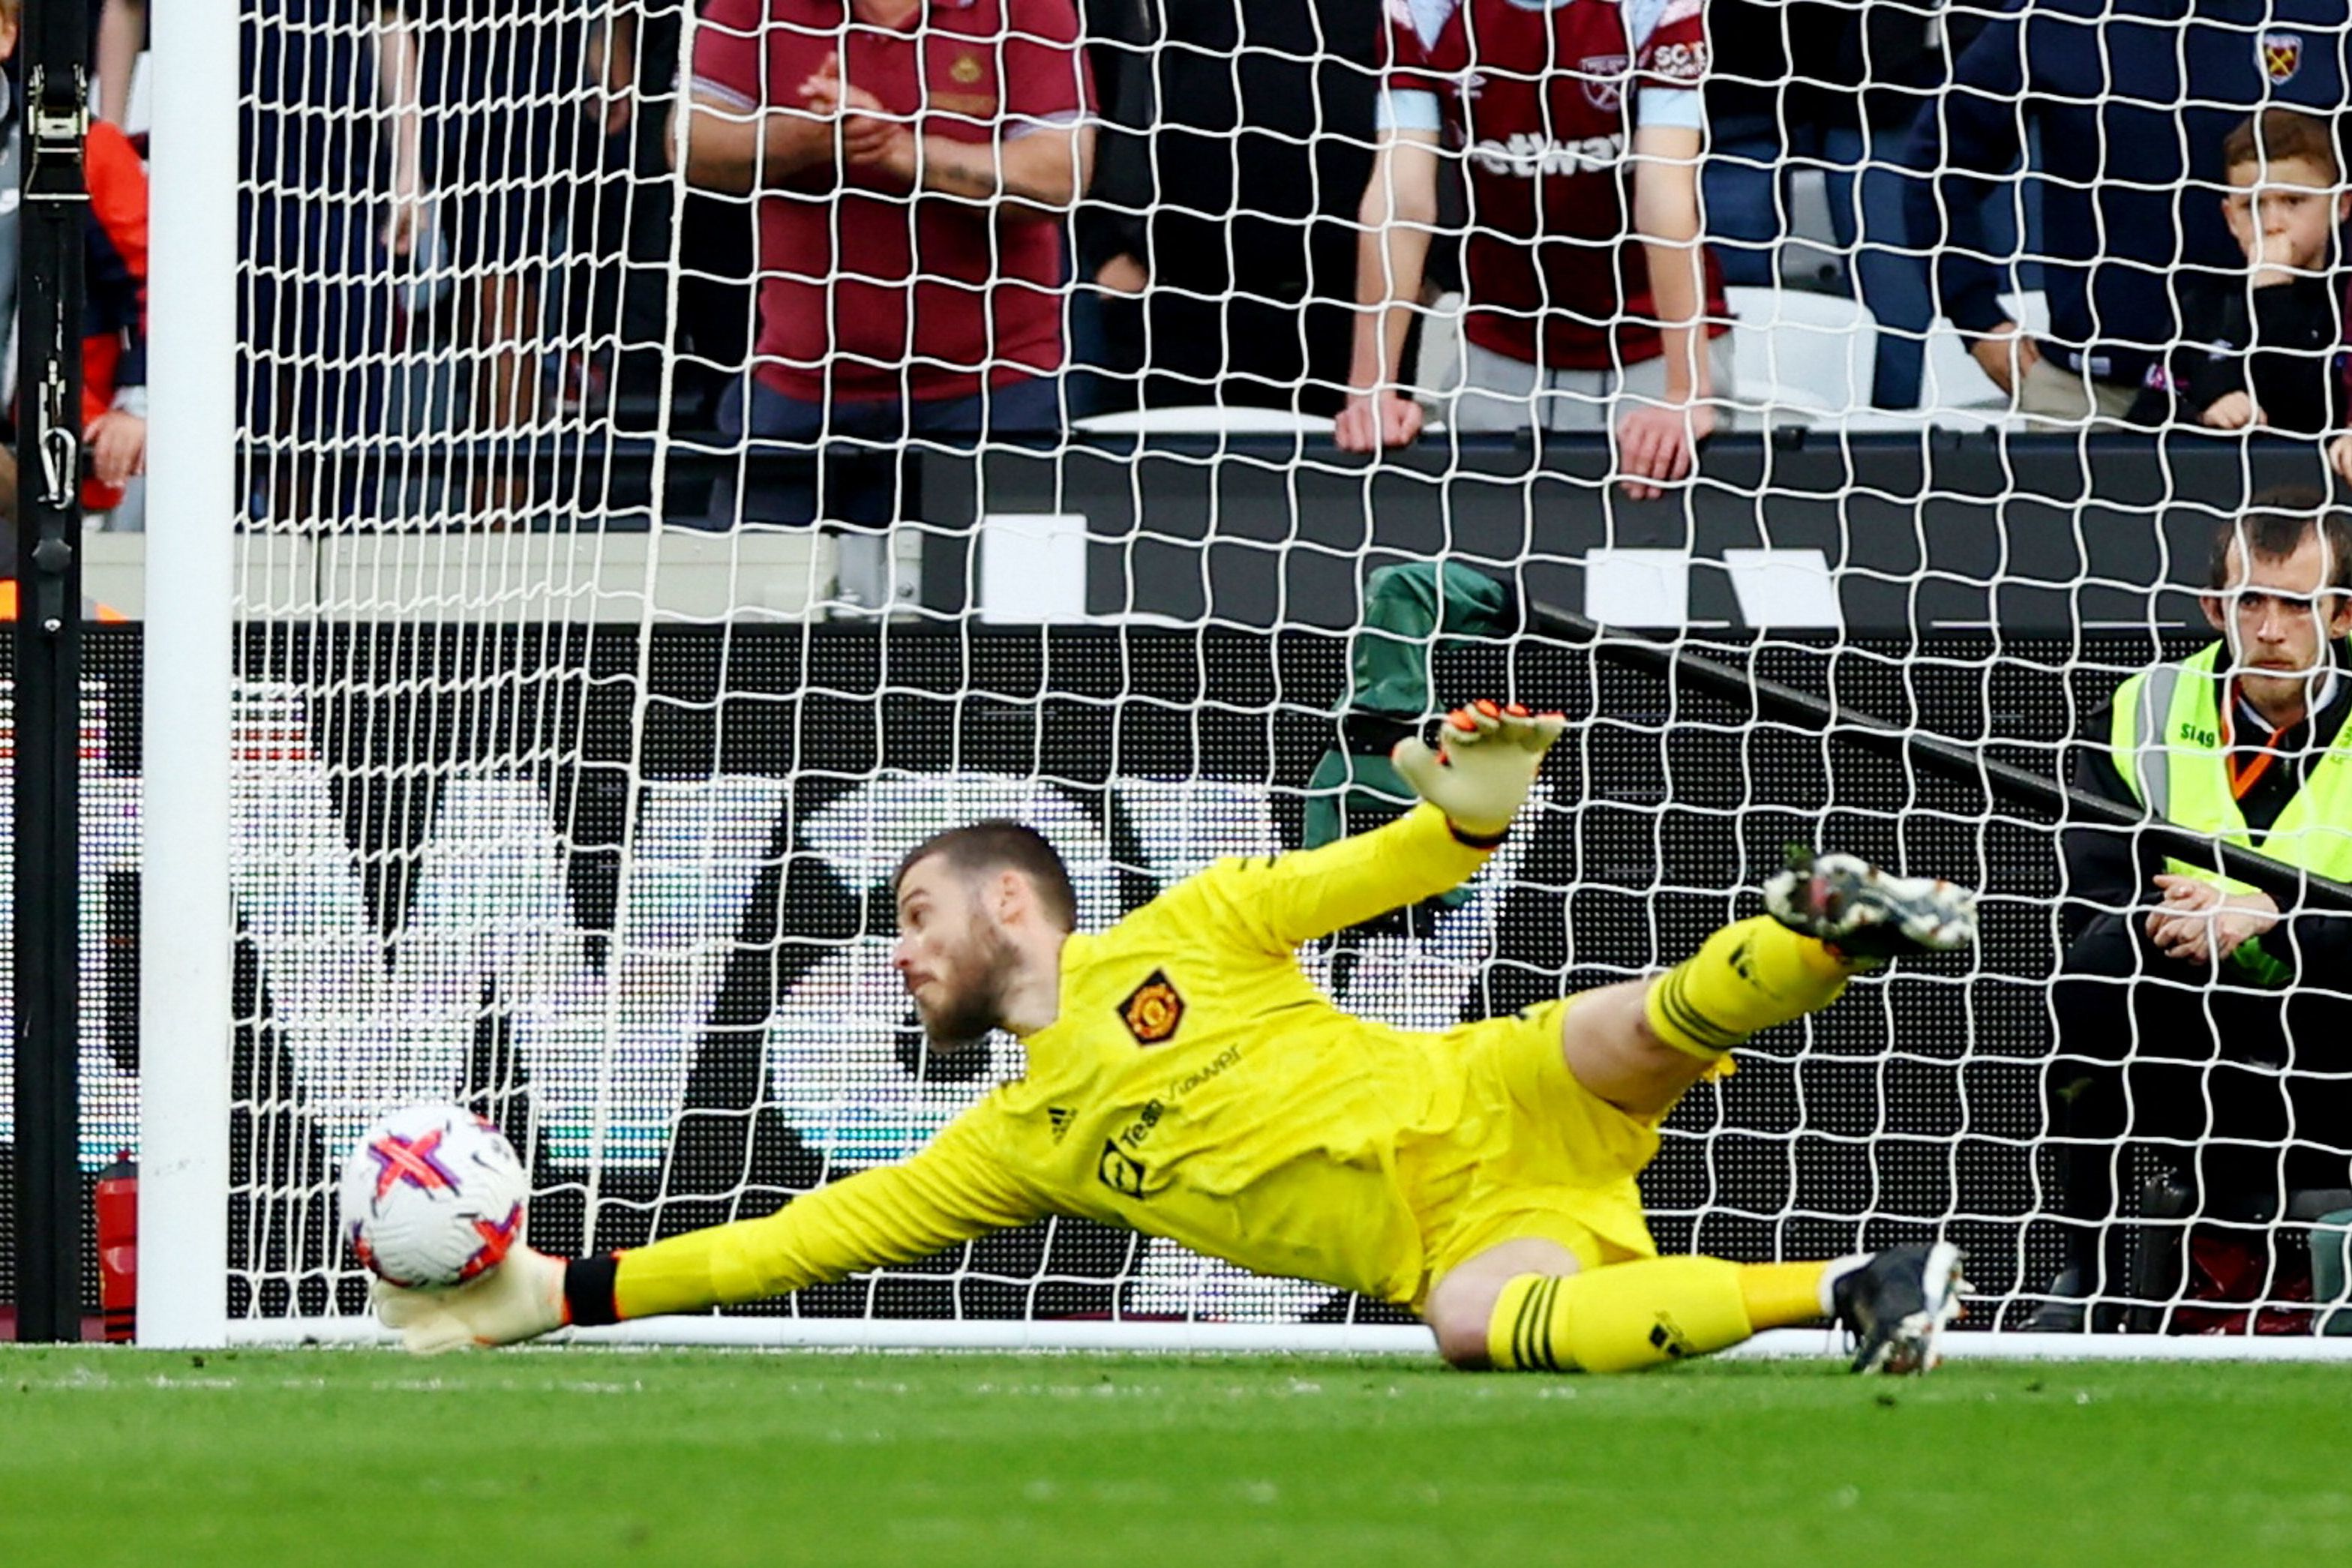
<point>2273,135</point>
<point>2274,527</point>
<point>1000,843</point>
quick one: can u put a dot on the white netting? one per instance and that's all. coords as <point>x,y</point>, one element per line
<point>573,755</point>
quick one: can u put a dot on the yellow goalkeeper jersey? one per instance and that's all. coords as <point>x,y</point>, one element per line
<point>1195,1085</point>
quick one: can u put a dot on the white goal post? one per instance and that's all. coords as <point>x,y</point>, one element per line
<point>494,743</point>
<point>187,908</point>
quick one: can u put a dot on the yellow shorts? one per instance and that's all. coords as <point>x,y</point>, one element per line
<point>1535,1154</point>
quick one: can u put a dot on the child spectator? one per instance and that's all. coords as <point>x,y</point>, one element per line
<point>2258,347</point>
<point>2110,118</point>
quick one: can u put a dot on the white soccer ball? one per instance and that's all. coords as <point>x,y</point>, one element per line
<point>432,1195</point>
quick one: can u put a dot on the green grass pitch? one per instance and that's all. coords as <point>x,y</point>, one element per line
<point>579,1457</point>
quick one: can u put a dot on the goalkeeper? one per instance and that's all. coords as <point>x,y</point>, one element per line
<point>1187,1081</point>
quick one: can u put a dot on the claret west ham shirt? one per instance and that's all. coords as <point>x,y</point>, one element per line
<point>1541,100</point>
<point>864,292</point>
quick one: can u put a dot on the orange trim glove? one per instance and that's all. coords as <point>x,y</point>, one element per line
<point>521,1298</point>
<point>1486,760</point>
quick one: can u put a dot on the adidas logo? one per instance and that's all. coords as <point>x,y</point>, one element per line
<point>1061,1118</point>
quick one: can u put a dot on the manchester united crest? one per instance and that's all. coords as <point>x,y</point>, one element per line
<point>1152,1011</point>
<point>2282,55</point>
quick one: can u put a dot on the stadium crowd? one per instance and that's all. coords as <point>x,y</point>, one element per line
<point>1257,206</point>
<point>458,222</point>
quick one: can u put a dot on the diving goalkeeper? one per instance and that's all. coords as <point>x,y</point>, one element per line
<point>1187,1081</point>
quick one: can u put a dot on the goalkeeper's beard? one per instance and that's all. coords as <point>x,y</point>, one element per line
<point>973,999</point>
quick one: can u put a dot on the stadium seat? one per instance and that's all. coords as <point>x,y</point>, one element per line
<point>1953,379</point>
<point>1801,357</point>
<point>1798,354</point>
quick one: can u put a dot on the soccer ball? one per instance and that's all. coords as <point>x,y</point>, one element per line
<point>433,1196</point>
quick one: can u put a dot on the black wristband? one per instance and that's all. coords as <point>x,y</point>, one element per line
<point>588,1290</point>
<point>1475,841</point>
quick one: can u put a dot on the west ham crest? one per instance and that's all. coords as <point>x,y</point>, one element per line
<point>2282,55</point>
<point>1603,78</point>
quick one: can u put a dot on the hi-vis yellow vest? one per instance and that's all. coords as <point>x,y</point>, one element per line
<point>2167,743</point>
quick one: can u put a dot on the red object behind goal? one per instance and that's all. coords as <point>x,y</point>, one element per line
<point>118,1248</point>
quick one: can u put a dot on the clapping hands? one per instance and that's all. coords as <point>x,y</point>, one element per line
<point>870,136</point>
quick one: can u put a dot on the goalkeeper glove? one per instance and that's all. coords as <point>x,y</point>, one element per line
<point>521,1298</point>
<point>1486,757</point>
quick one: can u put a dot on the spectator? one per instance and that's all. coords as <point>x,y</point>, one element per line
<point>911,202</point>
<point>1832,88</point>
<point>1225,204</point>
<point>681,327</point>
<point>114,295</point>
<point>114,317</point>
<point>328,136</point>
<point>606,216</point>
<point>516,101</point>
<point>118,39</point>
<point>2258,347</point>
<point>1109,235</point>
<point>2202,1019</point>
<point>2132,109</point>
<point>1567,325</point>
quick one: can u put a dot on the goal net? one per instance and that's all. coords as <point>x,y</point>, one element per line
<point>569,764</point>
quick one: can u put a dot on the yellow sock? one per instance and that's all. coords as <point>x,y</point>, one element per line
<point>1619,1318</point>
<point>1749,975</point>
<point>1782,1296</point>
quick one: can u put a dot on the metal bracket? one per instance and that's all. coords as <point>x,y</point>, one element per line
<point>55,132</point>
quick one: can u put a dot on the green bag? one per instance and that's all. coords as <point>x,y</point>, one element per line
<point>1408,611</point>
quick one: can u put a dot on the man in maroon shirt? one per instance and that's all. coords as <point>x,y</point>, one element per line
<point>1552,103</point>
<point>914,162</point>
